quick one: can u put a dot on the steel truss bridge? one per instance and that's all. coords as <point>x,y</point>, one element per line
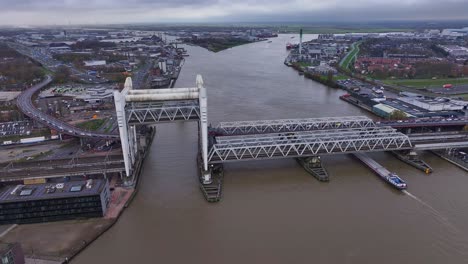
<point>256,140</point>
<point>292,125</point>
<point>144,113</point>
<point>306,143</point>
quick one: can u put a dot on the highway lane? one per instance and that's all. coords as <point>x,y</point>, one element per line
<point>24,103</point>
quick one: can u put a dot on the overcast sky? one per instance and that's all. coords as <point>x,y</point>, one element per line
<point>46,12</point>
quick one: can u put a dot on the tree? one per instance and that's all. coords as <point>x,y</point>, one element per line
<point>397,115</point>
<point>63,74</point>
<point>330,76</point>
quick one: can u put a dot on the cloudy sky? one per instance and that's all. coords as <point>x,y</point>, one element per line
<point>46,12</point>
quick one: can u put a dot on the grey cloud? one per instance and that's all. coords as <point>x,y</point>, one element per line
<point>112,11</point>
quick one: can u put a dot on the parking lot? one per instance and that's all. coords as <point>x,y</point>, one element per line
<point>456,89</point>
<point>15,128</point>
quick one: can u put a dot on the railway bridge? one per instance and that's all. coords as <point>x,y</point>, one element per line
<point>262,139</point>
<point>242,140</point>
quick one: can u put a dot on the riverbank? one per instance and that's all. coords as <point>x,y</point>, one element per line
<point>217,45</point>
<point>318,78</point>
<point>66,239</point>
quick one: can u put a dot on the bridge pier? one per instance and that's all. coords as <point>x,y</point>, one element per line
<point>313,165</point>
<point>411,158</point>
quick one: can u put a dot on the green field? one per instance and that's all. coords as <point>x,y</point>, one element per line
<point>92,125</point>
<point>424,83</point>
<point>340,77</point>
<point>303,64</point>
<point>345,63</point>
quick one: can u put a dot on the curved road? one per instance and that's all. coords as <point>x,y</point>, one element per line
<point>25,104</point>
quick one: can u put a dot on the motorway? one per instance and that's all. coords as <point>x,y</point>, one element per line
<point>24,103</point>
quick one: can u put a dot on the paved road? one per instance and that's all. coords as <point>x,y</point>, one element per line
<point>25,104</point>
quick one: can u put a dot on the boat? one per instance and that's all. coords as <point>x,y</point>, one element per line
<point>269,41</point>
<point>292,37</point>
<point>396,181</point>
<point>384,174</point>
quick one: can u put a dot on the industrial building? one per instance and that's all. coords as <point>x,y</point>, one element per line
<point>413,110</point>
<point>11,254</point>
<point>322,69</point>
<point>437,104</point>
<point>160,82</point>
<point>94,63</point>
<point>385,111</point>
<point>47,202</point>
<point>98,95</point>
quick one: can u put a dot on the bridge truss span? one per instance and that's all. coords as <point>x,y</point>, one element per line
<point>156,112</point>
<point>306,143</point>
<point>293,125</point>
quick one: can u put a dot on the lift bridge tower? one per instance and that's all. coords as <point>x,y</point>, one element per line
<point>137,107</point>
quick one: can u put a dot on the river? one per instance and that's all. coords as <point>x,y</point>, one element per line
<point>273,211</point>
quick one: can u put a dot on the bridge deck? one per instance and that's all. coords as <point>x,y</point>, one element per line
<point>306,143</point>
<point>293,125</point>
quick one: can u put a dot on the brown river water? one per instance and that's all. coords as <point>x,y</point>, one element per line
<point>273,211</point>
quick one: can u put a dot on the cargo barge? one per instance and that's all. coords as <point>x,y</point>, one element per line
<point>384,174</point>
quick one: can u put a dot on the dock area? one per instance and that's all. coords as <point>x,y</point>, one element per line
<point>452,158</point>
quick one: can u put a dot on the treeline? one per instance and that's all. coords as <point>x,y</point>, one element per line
<point>321,79</point>
<point>7,52</point>
<point>16,71</point>
<point>429,70</point>
<point>217,44</point>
